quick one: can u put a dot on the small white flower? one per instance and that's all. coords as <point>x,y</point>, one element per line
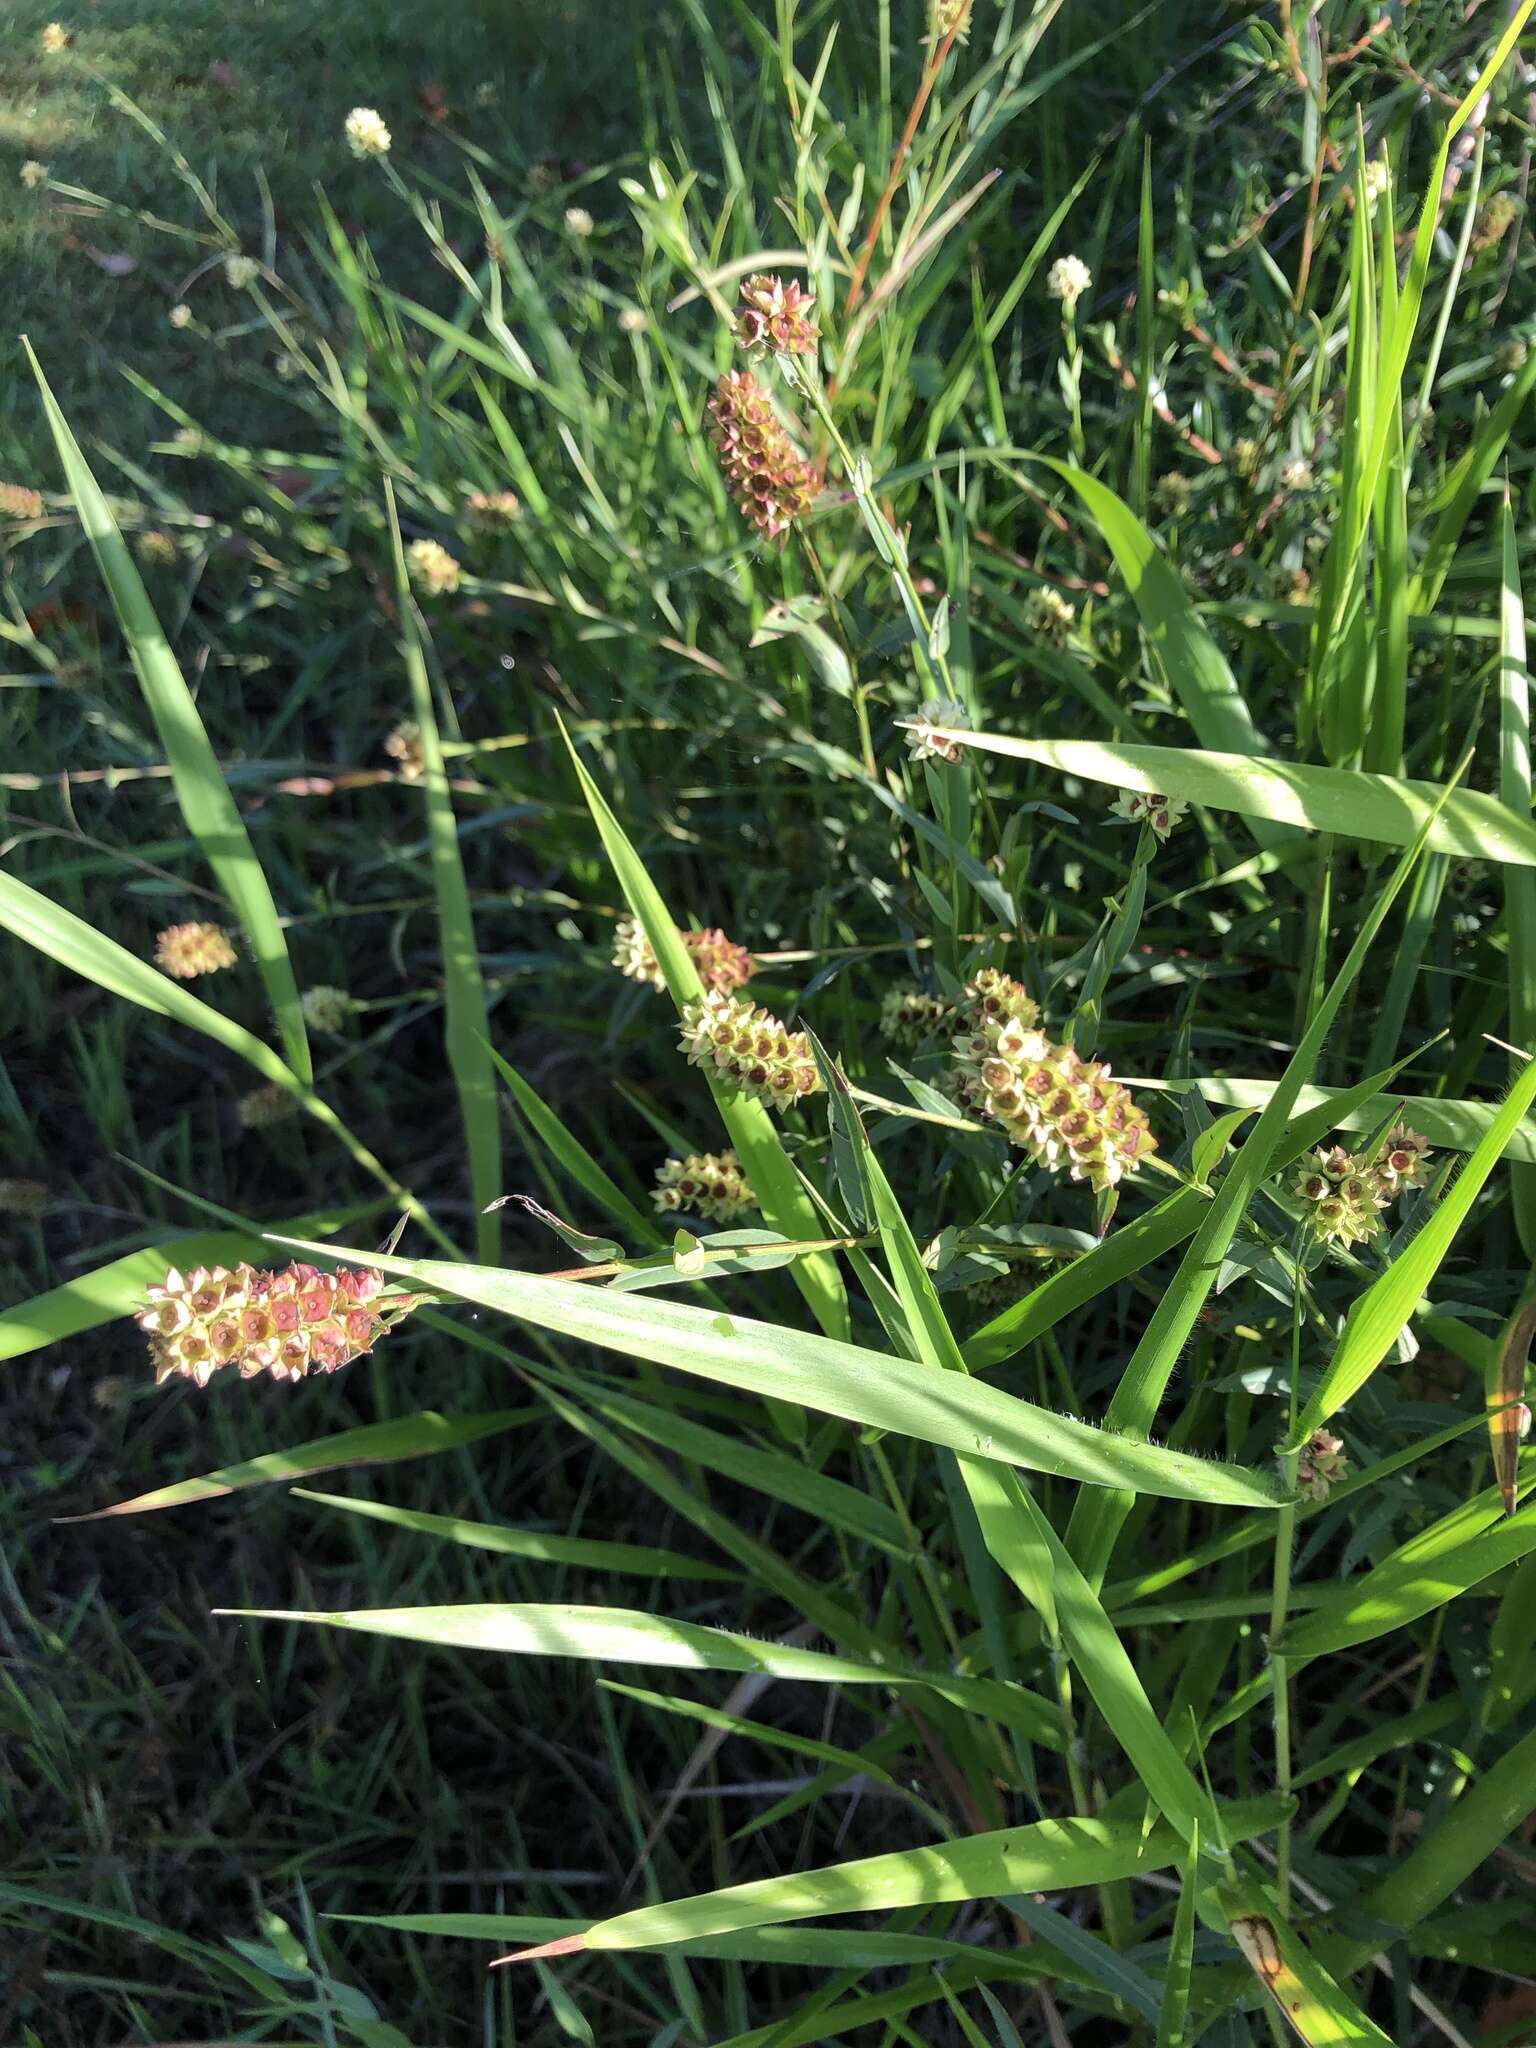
<point>1296,474</point>
<point>1067,279</point>
<point>241,272</point>
<point>1378,176</point>
<point>925,741</point>
<point>33,173</point>
<point>633,321</point>
<point>578,222</point>
<point>366,133</point>
<point>433,569</point>
<point>55,37</point>
<point>180,314</point>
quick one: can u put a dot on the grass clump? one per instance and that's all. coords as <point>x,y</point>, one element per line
<point>858,780</point>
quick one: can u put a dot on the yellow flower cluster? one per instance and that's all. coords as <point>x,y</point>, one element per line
<point>750,1048</point>
<point>282,1323</point>
<point>719,961</point>
<point>708,1184</point>
<point>188,950</point>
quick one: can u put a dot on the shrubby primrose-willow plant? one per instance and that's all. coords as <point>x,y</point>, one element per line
<point>1111,1679</point>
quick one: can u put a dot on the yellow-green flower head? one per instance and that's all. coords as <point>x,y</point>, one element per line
<point>1321,1466</point>
<point>909,1015</point>
<point>34,174</point>
<point>992,997</point>
<point>180,315</point>
<point>772,481</point>
<point>241,272</point>
<point>1069,1114</point>
<point>404,748</point>
<point>285,1323</point>
<point>750,1048</point>
<point>926,742</point>
<point>326,1009</point>
<point>1247,454</point>
<point>952,18</point>
<point>1378,176</point>
<point>1296,474</point>
<point>719,962</point>
<point>1173,493</point>
<point>579,222</point>
<point>366,133</point>
<point>22,1198</point>
<point>54,38</point>
<point>1067,279</point>
<point>1150,807</point>
<point>265,1106</point>
<point>495,510</point>
<point>708,1184</point>
<point>1403,1161</point>
<point>1493,223</point>
<point>1049,613</point>
<point>20,501</point>
<point>1343,1197</point>
<point>776,315</point>
<point>432,568</point>
<point>156,546</point>
<point>188,950</point>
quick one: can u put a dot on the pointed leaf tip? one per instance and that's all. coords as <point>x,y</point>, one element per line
<point>567,1945</point>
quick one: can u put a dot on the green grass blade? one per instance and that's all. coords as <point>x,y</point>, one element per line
<point>572,1157</point>
<point>1519,884</point>
<point>864,1387</point>
<point>1181,1956</point>
<point>1051,1855</point>
<point>585,1553</point>
<point>466,1026</point>
<point>53,930</point>
<point>376,1443</point>
<point>1440,1563</point>
<point>1384,1309</point>
<point>1463,487</point>
<point>1097,1519</point>
<point>1446,1855</point>
<point>784,1203</point>
<point>201,790</point>
<point>1384,809</point>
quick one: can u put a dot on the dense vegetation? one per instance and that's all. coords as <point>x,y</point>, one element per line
<point>857,679</point>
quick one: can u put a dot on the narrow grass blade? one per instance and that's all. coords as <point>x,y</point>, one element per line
<point>1181,1955</point>
<point>1021,1540</point>
<point>53,930</point>
<point>1051,1855</point>
<point>1471,1831</point>
<point>376,1443</point>
<point>1385,810</point>
<point>771,1175</point>
<point>1195,666</point>
<point>201,790</point>
<point>620,1635</point>
<point>1460,1551</point>
<point>572,1157</point>
<point>1504,1386</point>
<point>865,1387</point>
<point>1382,1311</point>
<point>1519,884</point>
<point>582,1552</point>
<point>1097,1519</point>
<point>466,1027</point>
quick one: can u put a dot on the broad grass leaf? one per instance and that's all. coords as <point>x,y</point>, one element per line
<point>1438,1564</point>
<point>1515,792</point>
<point>864,1387</point>
<point>1051,1855</point>
<point>201,790</point>
<point>1386,810</point>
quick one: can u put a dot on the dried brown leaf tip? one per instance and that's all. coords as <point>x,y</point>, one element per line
<point>286,1323</point>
